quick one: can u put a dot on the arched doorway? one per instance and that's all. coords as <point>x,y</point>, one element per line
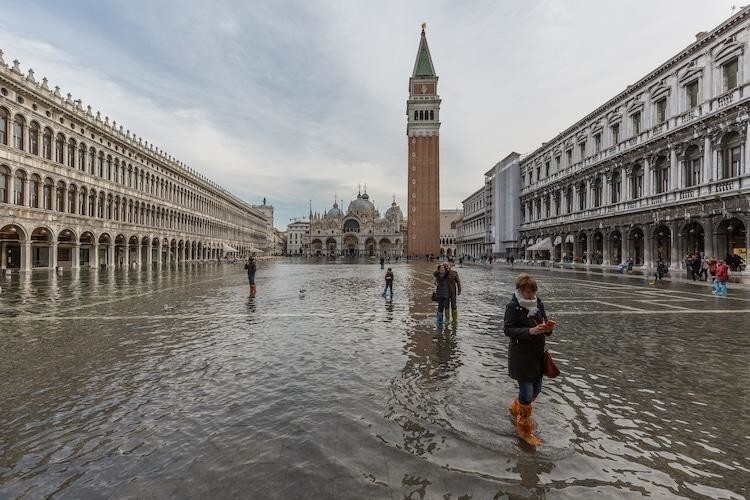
<point>350,245</point>
<point>41,241</point>
<point>569,248</point>
<point>316,247</point>
<point>120,251</point>
<point>86,251</point>
<point>105,241</point>
<point>731,240</point>
<point>662,238</point>
<point>581,248</point>
<point>615,247</point>
<point>331,246</point>
<point>598,252</point>
<point>384,246</point>
<point>66,242</point>
<point>133,250</point>
<point>12,238</point>
<point>635,239</point>
<point>370,246</point>
<point>692,238</point>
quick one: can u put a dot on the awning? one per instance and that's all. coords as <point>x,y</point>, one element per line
<point>227,248</point>
<point>569,239</point>
<point>558,240</point>
<point>545,244</point>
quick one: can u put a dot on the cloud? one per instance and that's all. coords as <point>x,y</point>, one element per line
<point>295,101</point>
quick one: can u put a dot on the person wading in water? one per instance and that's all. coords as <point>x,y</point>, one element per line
<point>441,291</point>
<point>388,282</point>
<point>454,290</point>
<point>526,323</point>
<point>251,268</point>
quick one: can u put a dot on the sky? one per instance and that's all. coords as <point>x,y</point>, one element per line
<point>301,101</point>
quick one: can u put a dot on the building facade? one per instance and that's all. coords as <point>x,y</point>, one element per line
<point>423,136</point>
<point>279,242</point>
<point>76,190</point>
<point>361,231</point>
<point>267,211</point>
<point>298,237</point>
<point>503,209</point>
<point>448,219</point>
<point>473,240</point>
<point>658,171</point>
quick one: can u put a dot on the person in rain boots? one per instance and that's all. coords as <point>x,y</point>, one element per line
<point>441,291</point>
<point>526,324</point>
<point>454,290</point>
<point>251,268</point>
<point>388,282</point>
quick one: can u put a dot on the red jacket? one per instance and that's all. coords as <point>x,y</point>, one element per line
<point>722,272</point>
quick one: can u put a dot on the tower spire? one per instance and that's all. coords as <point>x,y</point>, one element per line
<point>423,64</point>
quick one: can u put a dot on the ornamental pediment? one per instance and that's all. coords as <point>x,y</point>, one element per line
<point>689,74</point>
<point>635,107</point>
<point>729,49</point>
<point>659,91</point>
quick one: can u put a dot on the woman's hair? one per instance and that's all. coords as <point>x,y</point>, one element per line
<point>526,281</point>
<point>439,266</point>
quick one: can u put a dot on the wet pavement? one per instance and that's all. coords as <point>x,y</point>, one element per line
<point>175,384</point>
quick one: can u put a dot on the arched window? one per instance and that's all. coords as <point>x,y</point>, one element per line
<point>4,183</point>
<point>416,114</point>
<point>34,192</point>
<point>692,166</point>
<point>60,197</point>
<point>558,202</point>
<point>109,167</point>
<point>4,118</point>
<point>92,160</point>
<point>47,196</point>
<point>662,175</point>
<point>59,146</point>
<point>100,165</point>
<point>72,153</point>
<point>615,186</point>
<point>92,204</point>
<point>547,206</point>
<point>18,125</point>
<point>100,211</point>
<point>18,187</point>
<point>34,138</point>
<point>117,170</point>
<point>432,115</point>
<point>636,182</point>
<point>598,191</point>
<point>47,143</point>
<point>72,199</point>
<point>82,199</point>
<point>569,200</point>
<point>582,196</point>
<point>82,157</point>
<point>731,155</point>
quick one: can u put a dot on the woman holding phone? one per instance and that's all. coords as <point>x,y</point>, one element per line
<point>526,324</point>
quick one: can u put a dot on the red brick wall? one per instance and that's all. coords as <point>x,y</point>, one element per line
<point>424,182</point>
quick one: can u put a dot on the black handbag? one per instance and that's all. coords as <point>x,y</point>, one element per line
<point>434,297</point>
<point>549,368</point>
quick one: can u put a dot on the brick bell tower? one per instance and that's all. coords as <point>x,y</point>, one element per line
<point>423,133</point>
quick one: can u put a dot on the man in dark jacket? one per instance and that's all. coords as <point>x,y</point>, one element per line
<point>454,290</point>
<point>441,291</point>
<point>251,267</point>
<point>388,282</point>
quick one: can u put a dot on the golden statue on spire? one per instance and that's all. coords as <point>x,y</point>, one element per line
<point>424,25</point>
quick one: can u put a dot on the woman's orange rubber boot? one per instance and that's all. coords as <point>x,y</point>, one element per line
<point>515,410</point>
<point>525,427</point>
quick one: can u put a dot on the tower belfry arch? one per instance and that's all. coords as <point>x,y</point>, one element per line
<point>423,135</point>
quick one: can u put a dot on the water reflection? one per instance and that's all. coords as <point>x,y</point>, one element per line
<point>173,382</point>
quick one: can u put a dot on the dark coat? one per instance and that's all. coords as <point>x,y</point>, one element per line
<point>441,284</point>
<point>454,283</point>
<point>251,267</point>
<point>525,352</point>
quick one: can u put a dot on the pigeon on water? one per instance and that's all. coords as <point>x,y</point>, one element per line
<point>167,307</point>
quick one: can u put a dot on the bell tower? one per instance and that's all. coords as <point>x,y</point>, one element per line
<point>423,135</point>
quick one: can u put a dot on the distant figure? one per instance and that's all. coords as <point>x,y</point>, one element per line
<point>722,276</point>
<point>251,268</point>
<point>382,262</point>
<point>388,282</point>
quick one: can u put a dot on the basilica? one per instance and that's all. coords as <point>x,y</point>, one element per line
<point>360,231</point>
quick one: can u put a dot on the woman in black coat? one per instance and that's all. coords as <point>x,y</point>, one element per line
<point>526,323</point>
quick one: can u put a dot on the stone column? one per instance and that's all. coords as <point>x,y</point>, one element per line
<point>139,255</point>
<point>647,173</point>
<point>625,180</point>
<point>126,263</point>
<point>589,244</point>
<point>648,242</point>
<point>11,188</point>
<point>94,256</point>
<point>26,195</point>
<point>149,254</point>
<point>674,169</point>
<point>708,166</point>
<point>3,255</point>
<point>605,249</point>
<point>53,255</point>
<point>26,256</point>
<point>111,255</point>
<point>53,198</point>
<point>674,241</point>
<point>709,239</point>
<point>76,264</point>
<point>744,166</point>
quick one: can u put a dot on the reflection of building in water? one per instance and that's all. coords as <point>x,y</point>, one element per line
<point>359,231</point>
<point>77,190</point>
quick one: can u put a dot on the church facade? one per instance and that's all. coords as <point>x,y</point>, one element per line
<point>360,231</point>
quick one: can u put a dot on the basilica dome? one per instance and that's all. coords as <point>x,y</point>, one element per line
<point>334,212</point>
<point>394,212</point>
<point>362,204</point>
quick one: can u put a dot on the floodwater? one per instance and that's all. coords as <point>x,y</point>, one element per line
<point>174,383</point>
